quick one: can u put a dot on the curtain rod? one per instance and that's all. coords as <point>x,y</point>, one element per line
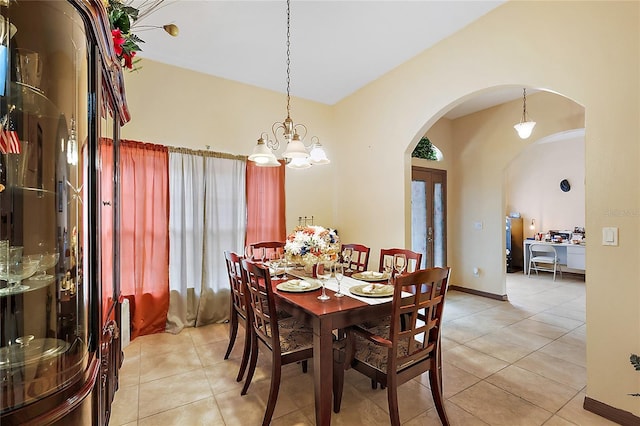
<point>207,153</point>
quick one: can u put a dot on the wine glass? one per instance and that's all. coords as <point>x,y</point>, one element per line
<point>346,258</point>
<point>262,254</point>
<point>388,267</point>
<point>323,275</point>
<point>338,272</point>
<point>399,263</point>
<point>248,252</point>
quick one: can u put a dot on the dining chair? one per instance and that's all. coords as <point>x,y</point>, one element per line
<point>359,257</point>
<point>544,254</point>
<point>414,259</point>
<point>393,354</point>
<point>265,249</point>
<point>237,309</point>
<point>288,339</point>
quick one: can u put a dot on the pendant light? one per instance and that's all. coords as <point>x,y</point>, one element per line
<point>296,153</point>
<point>524,127</point>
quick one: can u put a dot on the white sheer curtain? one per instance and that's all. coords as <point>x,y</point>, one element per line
<point>186,239</point>
<point>207,215</point>
<point>225,226</point>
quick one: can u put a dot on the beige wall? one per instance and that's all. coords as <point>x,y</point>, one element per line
<point>176,107</point>
<point>485,145</point>
<point>532,183</point>
<point>588,51</point>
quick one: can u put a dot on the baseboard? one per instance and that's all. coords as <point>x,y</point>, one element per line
<point>610,413</point>
<point>479,293</point>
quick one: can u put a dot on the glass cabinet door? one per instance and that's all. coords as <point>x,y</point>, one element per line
<point>44,297</point>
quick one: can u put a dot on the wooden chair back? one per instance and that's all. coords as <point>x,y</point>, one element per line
<point>414,259</point>
<point>359,257</point>
<point>262,306</point>
<point>406,346</point>
<point>234,270</point>
<point>263,250</point>
<point>416,318</point>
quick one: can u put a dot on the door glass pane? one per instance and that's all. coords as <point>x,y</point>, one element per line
<point>43,202</point>
<point>419,218</point>
<point>438,226</point>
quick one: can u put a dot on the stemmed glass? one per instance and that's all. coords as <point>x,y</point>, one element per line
<point>399,263</point>
<point>323,275</point>
<point>263,254</point>
<point>388,267</point>
<point>346,258</point>
<point>248,252</point>
<point>338,272</point>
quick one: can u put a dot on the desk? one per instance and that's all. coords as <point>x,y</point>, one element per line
<point>326,316</point>
<point>570,255</point>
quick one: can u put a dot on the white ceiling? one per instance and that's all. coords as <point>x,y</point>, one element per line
<point>337,46</point>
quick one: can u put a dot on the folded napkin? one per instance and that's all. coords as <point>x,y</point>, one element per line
<point>375,288</point>
<point>298,284</point>
<point>372,274</point>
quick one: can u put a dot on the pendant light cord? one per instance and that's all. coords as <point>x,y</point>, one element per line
<point>524,105</point>
<point>288,56</point>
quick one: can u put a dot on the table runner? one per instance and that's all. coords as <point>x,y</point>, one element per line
<point>345,285</point>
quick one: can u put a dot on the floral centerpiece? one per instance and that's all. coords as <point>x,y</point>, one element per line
<point>308,245</point>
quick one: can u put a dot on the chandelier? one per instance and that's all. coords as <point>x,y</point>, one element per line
<point>524,127</point>
<point>296,155</point>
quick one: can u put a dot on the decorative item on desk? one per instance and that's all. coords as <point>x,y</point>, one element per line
<point>308,245</point>
<point>533,226</point>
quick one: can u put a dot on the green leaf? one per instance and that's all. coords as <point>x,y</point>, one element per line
<point>131,11</point>
<point>425,150</point>
<point>635,361</point>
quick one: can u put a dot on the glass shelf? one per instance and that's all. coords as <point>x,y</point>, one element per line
<point>31,100</point>
<point>27,286</point>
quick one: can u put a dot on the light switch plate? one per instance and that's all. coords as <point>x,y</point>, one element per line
<point>609,236</point>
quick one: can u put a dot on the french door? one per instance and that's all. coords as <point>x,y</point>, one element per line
<point>429,215</point>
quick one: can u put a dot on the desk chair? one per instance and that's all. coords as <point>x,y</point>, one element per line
<point>544,254</point>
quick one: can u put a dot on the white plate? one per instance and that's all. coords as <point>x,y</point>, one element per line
<point>298,286</point>
<point>372,290</point>
<point>371,276</point>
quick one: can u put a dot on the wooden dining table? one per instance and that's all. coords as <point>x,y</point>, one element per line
<point>326,316</point>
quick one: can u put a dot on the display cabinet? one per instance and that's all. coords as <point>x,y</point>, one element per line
<point>61,108</point>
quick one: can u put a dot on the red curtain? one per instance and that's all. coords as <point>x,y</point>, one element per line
<point>265,204</point>
<point>144,237</point>
<point>105,150</point>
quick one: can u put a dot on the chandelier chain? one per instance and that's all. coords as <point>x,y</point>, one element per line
<point>288,56</point>
<point>524,105</point>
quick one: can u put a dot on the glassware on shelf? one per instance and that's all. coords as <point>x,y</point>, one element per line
<point>14,269</point>
<point>46,262</point>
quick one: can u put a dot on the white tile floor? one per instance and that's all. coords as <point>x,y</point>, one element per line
<point>520,362</point>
